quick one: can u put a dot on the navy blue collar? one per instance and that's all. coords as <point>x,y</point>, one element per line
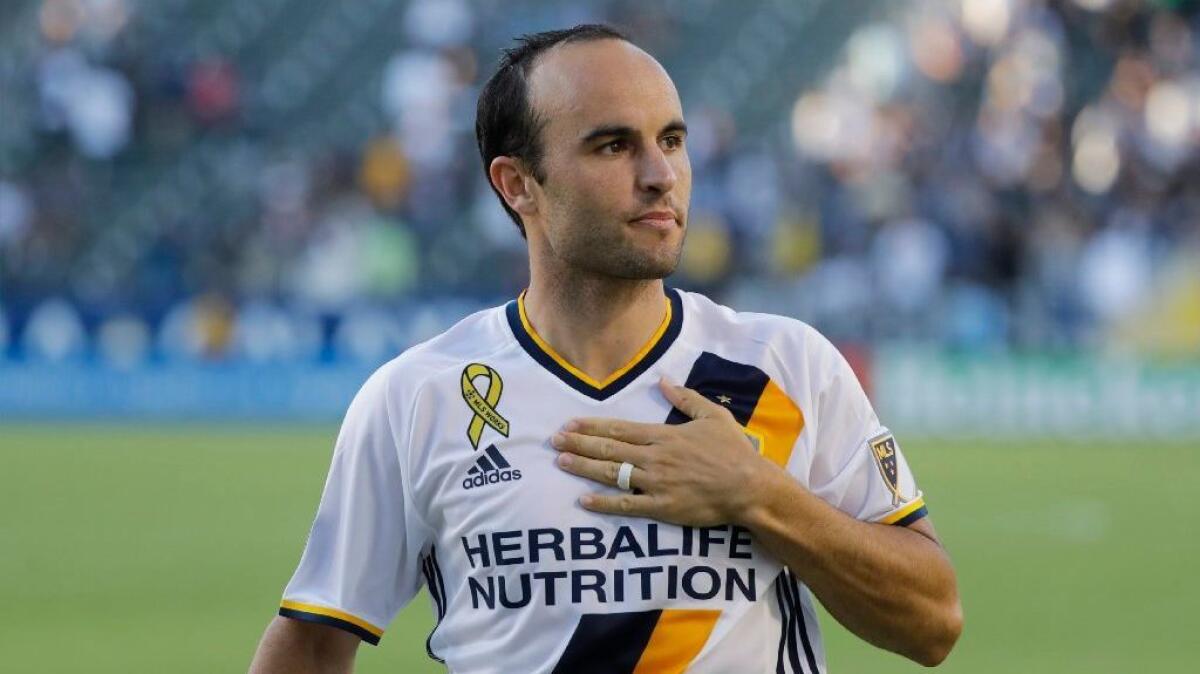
<point>545,356</point>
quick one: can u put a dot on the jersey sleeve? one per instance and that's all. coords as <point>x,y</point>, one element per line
<point>857,465</point>
<point>360,564</point>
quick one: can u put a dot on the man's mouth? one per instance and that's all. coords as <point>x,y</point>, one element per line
<point>662,220</point>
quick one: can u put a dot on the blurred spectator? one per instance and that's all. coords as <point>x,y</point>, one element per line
<point>54,333</point>
<point>1115,270</point>
<point>384,173</point>
<point>16,213</point>
<point>93,104</point>
<point>123,341</point>
<point>212,91</point>
<point>419,88</point>
<point>200,328</point>
<point>264,332</point>
<point>438,23</point>
<point>910,258</point>
<point>1169,322</point>
<point>369,335</point>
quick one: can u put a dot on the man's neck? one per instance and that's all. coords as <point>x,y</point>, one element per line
<point>596,324</point>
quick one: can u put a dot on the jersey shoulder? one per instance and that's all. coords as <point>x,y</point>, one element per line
<point>475,337</point>
<point>794,343</point>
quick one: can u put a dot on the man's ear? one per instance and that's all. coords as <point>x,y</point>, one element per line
<point>513,183</point>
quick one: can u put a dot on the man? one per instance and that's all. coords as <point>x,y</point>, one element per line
<point>570,508</point>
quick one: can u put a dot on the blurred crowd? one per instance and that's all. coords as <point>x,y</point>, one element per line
<point>289,179</point>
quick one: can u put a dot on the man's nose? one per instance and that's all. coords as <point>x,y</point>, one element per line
<point>655,172</point>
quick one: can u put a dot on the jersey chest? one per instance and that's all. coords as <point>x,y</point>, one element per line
<point>507,519</point>
<point>471,475</point>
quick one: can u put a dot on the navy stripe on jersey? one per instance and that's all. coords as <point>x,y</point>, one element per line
<point>793,650</point>
<point>430,584</point>
<point>437,573</point>
<point>433,583</point>
<point>737,386</point>
<point>485,464</point>
<point>544,359</point>
<point>608,643</point>
<point>911,517</point>
<point>794,589</point>
<point>784,631</point>
<point>437,589</point>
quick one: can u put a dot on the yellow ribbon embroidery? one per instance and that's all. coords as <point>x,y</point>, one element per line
<point>484,406</point>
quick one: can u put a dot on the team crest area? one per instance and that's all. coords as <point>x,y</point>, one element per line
<point>883,449</point>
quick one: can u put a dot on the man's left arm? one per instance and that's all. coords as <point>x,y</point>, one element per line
<point>891,585</point>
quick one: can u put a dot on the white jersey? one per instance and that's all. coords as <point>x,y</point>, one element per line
<point>443,476</point>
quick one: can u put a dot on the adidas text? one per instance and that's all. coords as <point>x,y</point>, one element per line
<point>491,477</point>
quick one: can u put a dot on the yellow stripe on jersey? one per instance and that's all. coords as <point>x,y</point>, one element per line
<point>541,343</point>
<point>907,510</point>
<point>677,639</point>
<point>332,613</point>
<point>776,422</point>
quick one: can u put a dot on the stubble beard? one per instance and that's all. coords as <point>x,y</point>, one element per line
<point>598,250</point>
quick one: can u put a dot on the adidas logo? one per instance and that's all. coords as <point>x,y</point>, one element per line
<point>490,468</point>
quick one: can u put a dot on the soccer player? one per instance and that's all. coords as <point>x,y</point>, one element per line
<point>606,474</point>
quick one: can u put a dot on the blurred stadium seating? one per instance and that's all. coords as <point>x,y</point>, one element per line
<point>294,184</point>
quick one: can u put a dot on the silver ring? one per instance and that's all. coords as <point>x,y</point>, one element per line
<point>623,475</point>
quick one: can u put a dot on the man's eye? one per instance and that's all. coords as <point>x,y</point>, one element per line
<point>673,142</point>
<point>614,147</point>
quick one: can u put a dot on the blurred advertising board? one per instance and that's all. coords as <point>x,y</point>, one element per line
<point>926,392</point>
<point>917,392</point>
<point>318,392</point>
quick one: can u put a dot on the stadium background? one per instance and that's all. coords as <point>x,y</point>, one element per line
<point>217,216</point>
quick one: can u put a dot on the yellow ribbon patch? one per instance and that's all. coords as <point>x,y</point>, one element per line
<point>483,405</point>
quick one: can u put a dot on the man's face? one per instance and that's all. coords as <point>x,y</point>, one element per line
<point>617,177</point>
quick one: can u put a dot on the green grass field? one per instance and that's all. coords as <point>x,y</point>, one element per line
<point>165,548</point>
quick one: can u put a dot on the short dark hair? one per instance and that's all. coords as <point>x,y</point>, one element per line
<point>505,122</point>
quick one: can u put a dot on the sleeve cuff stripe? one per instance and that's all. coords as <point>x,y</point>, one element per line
<point>908,514</point>
<point>911,517</point>
<point>329,616</point>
